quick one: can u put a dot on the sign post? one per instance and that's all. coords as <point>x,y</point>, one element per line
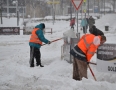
<point>106,58</point>
<point>77,4</point>
<point>84,6</point>
<point>85,10</point>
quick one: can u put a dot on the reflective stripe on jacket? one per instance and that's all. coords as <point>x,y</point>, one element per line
<point>34,38</point>
<point>87,46</point>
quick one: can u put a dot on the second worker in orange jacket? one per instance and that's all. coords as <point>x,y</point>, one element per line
<point>82,52</point>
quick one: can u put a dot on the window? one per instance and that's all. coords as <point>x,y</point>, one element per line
<point>4,2</point>
<point>4,10</point>
<point>12,10</point>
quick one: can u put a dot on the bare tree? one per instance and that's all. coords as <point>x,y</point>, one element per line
<point>113,2</point>
<point>34,4</point>
<point>37,8</point>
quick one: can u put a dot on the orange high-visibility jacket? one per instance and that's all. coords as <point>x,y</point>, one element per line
<point>87,46</point>
<point>34,38</point>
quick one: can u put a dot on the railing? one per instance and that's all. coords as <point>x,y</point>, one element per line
<point>50,30</point>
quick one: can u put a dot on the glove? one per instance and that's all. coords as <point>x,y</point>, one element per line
<point>49,42</point>
<point>87,62</point>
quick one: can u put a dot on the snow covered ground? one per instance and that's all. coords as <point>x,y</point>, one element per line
<point>15,73</point>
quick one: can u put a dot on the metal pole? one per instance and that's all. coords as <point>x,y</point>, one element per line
<point>104,7</point>
<point>78,34</point>
<point>94,7</point>
<point>1,13</point>
<point>53,11</point>
<point>81,12</point>
<point>62,7</point>
<point>17,18</point>
<point>77,21</point>
<point>23,14</point>
<point>85,26</point>
<point>17,11</point>
<point>70,10</point>
<point>8,7</point>
<point>114,5</point>
<point>88,7</point>
<point>98,6</point>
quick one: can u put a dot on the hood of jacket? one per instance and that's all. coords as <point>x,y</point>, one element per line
<point>40,26</point>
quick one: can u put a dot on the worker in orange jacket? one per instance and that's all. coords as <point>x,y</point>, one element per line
<point>35,43</point>
<point>83,51</point>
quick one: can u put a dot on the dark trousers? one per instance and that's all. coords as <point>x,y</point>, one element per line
<point>79,69</point>
<point>35,53</point>
<point>72,26</point>
<point>85,29</point>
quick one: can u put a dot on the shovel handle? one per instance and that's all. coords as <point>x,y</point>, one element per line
<point>54,40</point>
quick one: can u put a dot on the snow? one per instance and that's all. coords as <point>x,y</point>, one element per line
<point>109,20</point>
<point>15,73</point>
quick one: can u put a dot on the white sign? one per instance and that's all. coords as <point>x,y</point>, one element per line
<point>106,58</point>
<point>77,3</point>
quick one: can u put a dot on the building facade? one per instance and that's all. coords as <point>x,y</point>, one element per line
<point>10,7</point>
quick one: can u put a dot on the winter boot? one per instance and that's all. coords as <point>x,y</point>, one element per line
<point>37,63</point>
<point>32,65</point>
<point>41,65</point>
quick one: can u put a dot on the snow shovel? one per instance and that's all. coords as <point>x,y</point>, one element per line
<point>92,73</point>
<point>92,63</point>
<point>54,40</point>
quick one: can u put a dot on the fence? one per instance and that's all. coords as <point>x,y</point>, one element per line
<point>48,30</point>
